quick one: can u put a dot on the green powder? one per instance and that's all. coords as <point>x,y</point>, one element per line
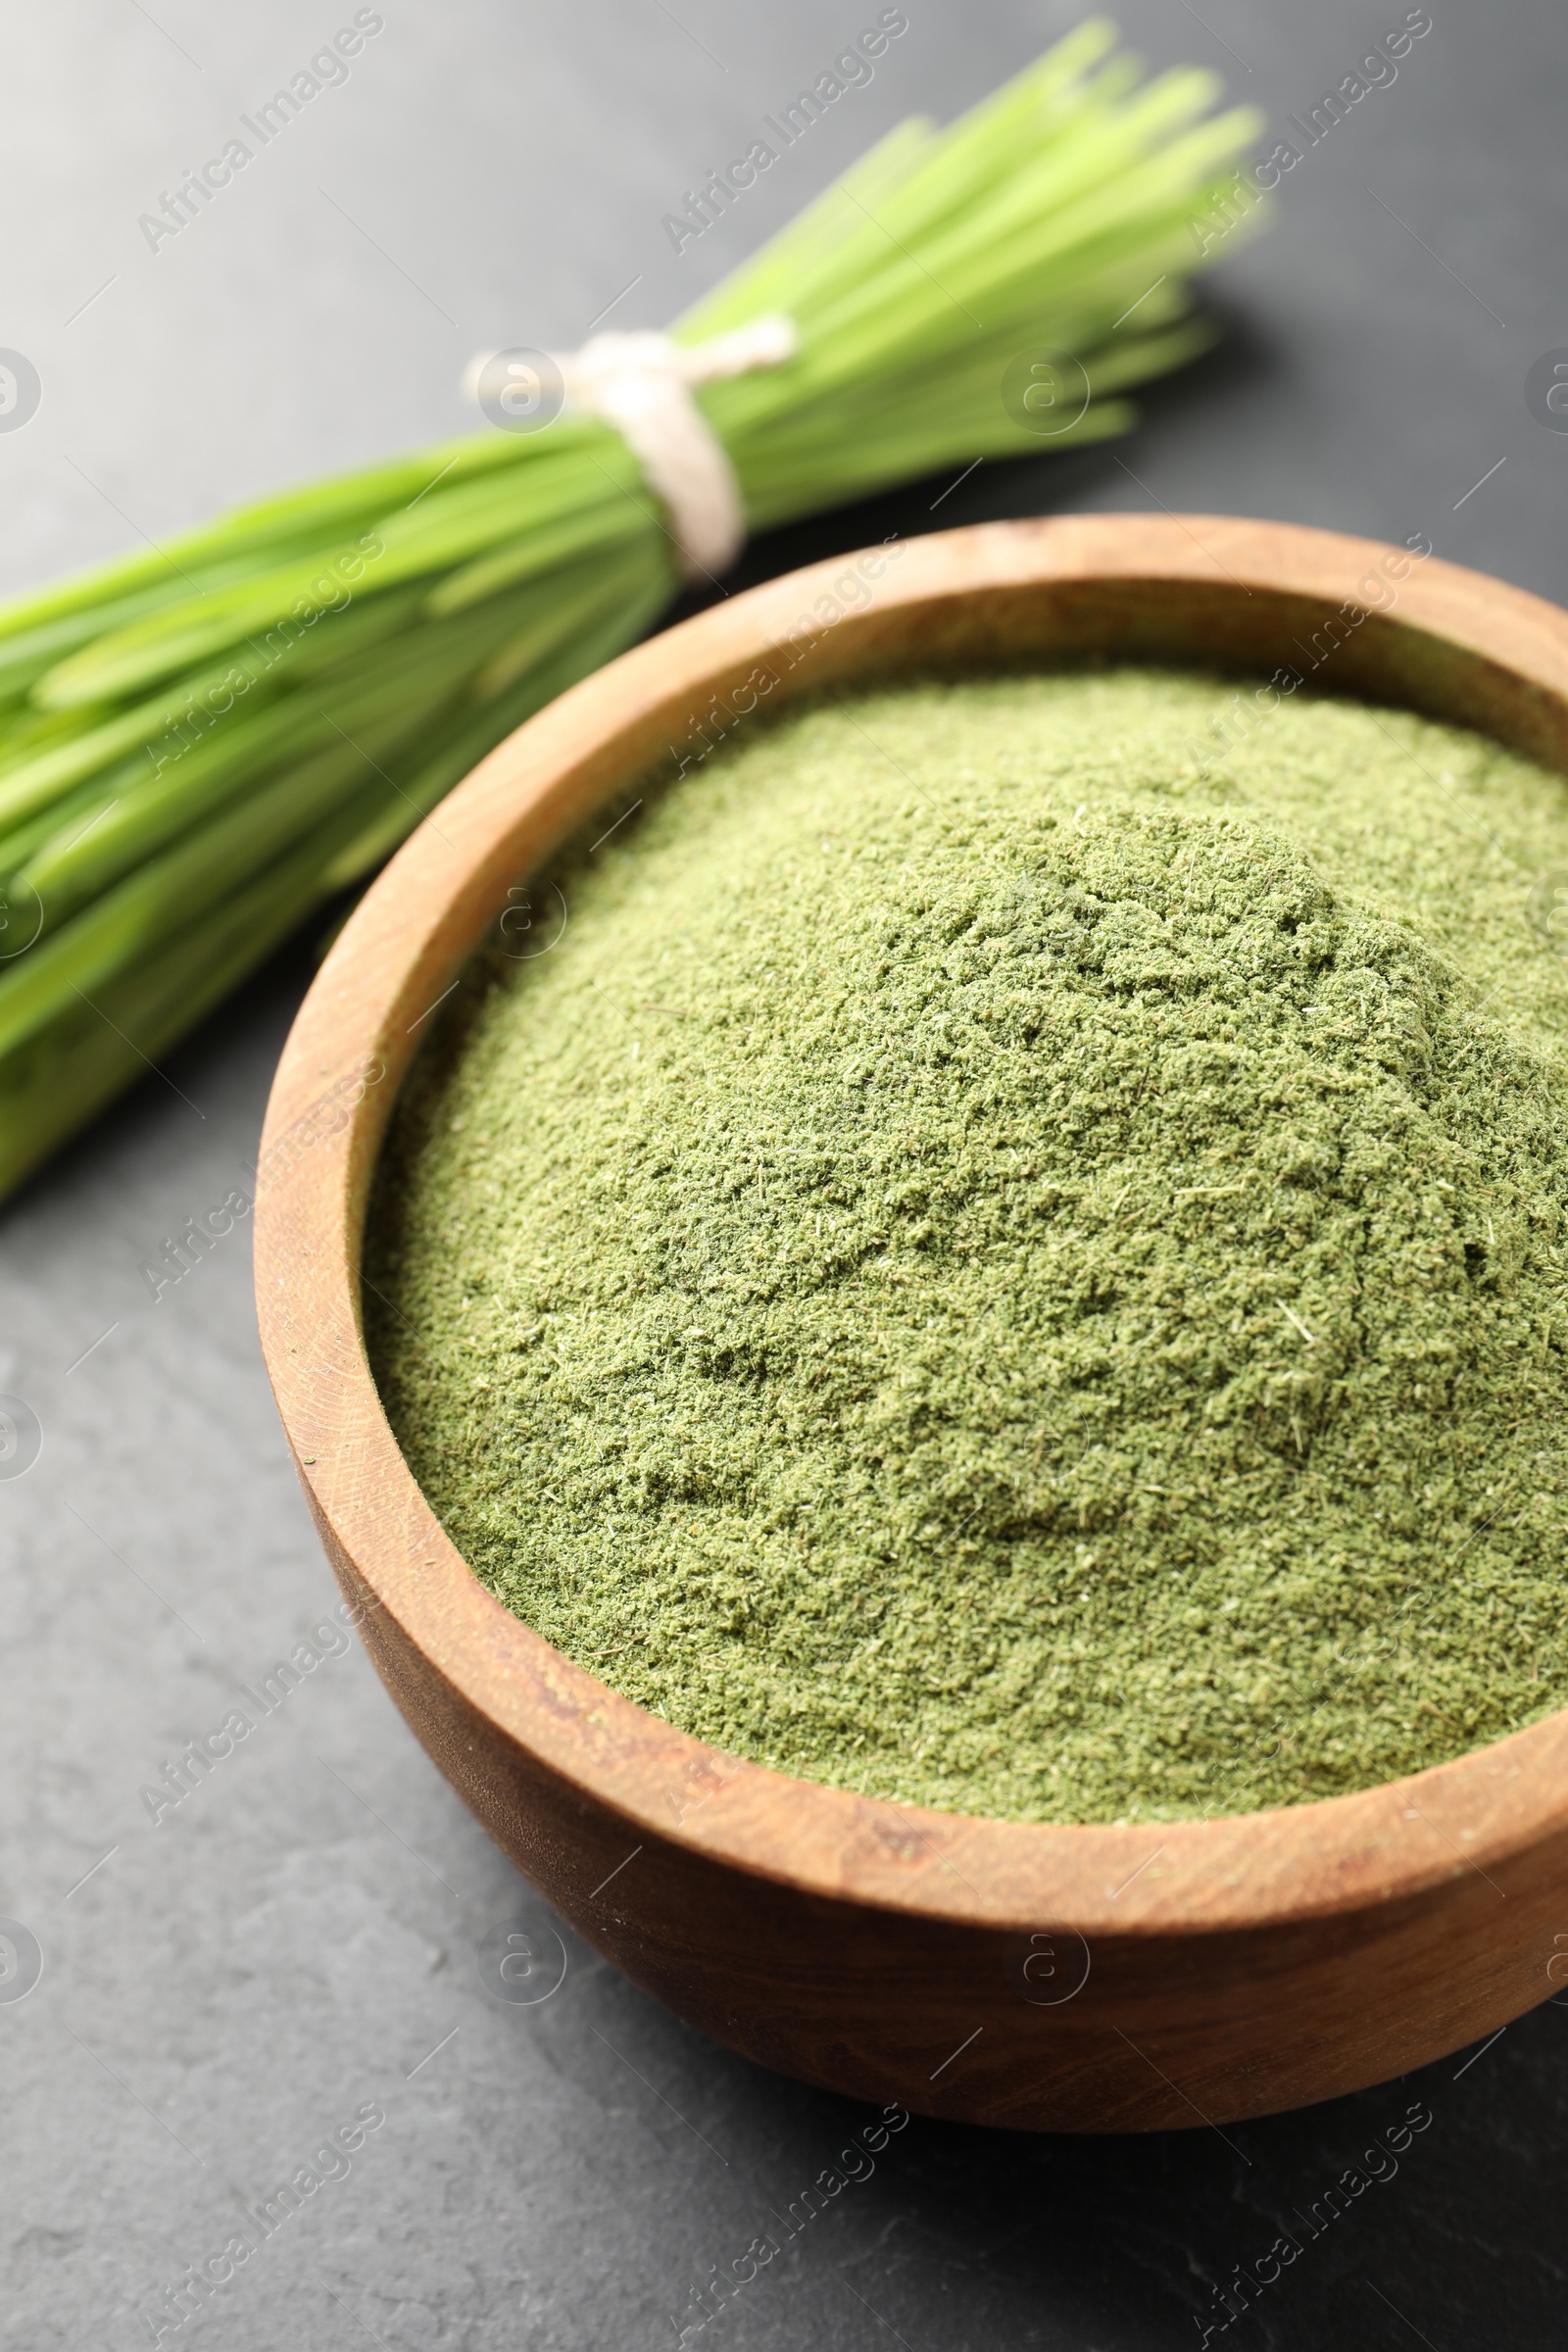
<point>993,1268</point>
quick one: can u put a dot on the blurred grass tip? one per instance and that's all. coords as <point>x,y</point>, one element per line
<point>201,744</point>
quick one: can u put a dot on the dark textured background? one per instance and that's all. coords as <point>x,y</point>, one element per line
<point>291,1944</point>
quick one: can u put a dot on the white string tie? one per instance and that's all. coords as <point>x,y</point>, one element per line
<point>642,383</point>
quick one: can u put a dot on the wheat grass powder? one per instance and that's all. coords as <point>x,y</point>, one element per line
<point>983,1252</point>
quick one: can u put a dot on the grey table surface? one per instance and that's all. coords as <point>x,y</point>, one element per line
<point>296,1943</point>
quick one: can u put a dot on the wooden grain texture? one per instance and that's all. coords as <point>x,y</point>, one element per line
<point>1043,1977</point>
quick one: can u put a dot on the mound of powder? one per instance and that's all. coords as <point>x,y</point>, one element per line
<point>979,1262</point>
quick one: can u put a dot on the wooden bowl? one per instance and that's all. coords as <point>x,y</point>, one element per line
<point>1060,1978</point>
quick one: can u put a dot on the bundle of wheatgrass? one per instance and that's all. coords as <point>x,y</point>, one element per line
<point>200,744</point>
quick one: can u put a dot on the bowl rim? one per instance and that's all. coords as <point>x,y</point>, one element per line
<point>393,964</point>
